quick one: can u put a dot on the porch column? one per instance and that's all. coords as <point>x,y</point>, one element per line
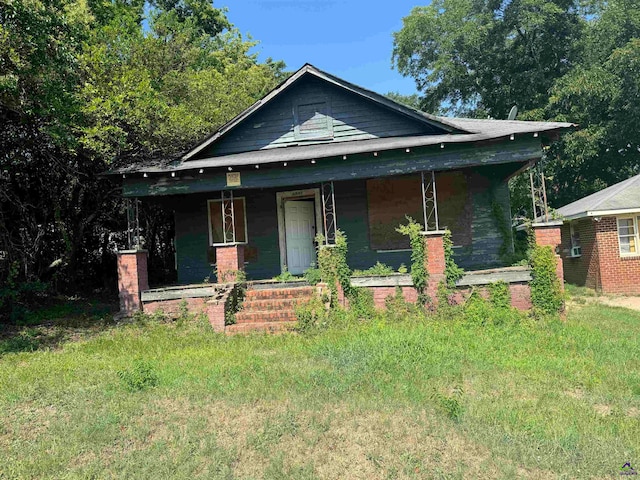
<point>549,234</point>
<point>132,279</point>
<point>434,261</point>
<point>229,261</point>
<point>230,255</point>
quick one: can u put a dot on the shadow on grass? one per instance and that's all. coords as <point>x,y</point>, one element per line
<point>61,322</point>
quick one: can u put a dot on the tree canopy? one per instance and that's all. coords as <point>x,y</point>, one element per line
<point>565,60</point>
<point>89,84</point>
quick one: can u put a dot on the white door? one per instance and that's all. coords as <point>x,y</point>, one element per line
<point>300,231</point>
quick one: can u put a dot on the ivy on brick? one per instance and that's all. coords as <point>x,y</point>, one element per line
<point>419,273</point>
<point>546,291</point>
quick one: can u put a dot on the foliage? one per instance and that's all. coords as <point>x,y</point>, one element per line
<point>452,271</point>
<point>562,60</point>
<point>234,302</point>
<point>286,276</point>
<point>402,268</point>
<point>86,86</point>
<point>499,294</point>
<point>546,291</point>
<point>312,275</point>
<point>378,270</point>
<point>451,404</point>
<point>398,309</point>
<point>488,56</point>
<point>140,376</point>
<point>480,312</point>
<point>419,274</point>
<point>312,316</point>
<point>332,263</point>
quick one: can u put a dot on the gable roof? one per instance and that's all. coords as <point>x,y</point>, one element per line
<point>309,70</point>
<point>622,197</point>
<point>454,131</point>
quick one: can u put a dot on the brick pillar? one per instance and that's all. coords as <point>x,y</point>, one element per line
<point>549,234</point>
<point>229,260</point>
<point>132,279</point>
<point>434,263</point>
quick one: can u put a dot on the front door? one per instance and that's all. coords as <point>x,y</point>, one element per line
<point>299,220</point>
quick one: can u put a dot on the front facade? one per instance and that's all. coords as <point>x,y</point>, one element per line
<point>601,241</point>
<point>319,154</point>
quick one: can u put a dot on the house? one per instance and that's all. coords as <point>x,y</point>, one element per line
<point>600,240</point>
<point>319,154</point>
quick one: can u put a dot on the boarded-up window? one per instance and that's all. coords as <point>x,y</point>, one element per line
<point>216,225</point>
<point>390,200</point>
<point>313,120</point>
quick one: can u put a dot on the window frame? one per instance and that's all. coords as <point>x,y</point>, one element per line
<point>635,235</point>
<point>326,134</point>
<point>572,243</point>
<point>210,227</point>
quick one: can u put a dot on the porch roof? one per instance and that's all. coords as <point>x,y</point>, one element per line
<point>482,130</point>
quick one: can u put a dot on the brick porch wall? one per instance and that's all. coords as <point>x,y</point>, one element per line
<point>434,263</point>
<point>520,295</point>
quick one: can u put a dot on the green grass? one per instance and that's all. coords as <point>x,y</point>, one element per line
<point>414,399</point>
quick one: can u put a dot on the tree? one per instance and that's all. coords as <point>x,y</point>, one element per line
<point>564,60</point>
<point>486,55</point>
<point>87,85</point>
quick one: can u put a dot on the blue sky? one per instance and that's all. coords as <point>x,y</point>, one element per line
<point>350,39</point>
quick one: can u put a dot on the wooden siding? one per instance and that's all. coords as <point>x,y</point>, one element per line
<point>352,118</point>
<point>486,185</point>
<point>356,166</point>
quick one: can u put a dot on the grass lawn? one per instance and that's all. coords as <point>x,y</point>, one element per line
<point>413,399</point>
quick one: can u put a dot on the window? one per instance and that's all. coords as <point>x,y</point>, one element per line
<point>576,249</point>
<point>216,223</point>
<point>628,235</point>
<point>313,120</point>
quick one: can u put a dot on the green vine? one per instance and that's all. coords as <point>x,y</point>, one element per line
<point>419,273</point>
<point>332,263</point>
<point>546,291</point>
<point>452,271</point>
<point>499,294</point>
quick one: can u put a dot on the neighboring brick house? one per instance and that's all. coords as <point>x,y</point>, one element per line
<point>601,239</point>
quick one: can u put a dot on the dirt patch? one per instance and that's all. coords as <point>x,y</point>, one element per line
<point>602,409</point>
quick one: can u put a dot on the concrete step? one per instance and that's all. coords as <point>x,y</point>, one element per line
<point>279,293</point>
<point>273,304</point>
<point>266,327</point>
<point>266,316</point>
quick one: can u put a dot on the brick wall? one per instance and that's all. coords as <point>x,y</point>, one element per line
<point>132,279</point>
<point>229,260</point>
<point>583,270</point>
<point>617,274</point>
<point>435,262</point>
<point>520,295</point>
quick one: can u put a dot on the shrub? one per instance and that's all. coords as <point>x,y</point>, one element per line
<point>311,316</point>
<point>546,290</point>
<point>312,275</point>
<point>139,377</point>
<point>398,309</point>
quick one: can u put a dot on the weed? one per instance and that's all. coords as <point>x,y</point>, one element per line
<point>140,376</point>
<point>378,270</point>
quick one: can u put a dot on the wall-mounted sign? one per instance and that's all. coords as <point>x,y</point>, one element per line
<point>233,179</point>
